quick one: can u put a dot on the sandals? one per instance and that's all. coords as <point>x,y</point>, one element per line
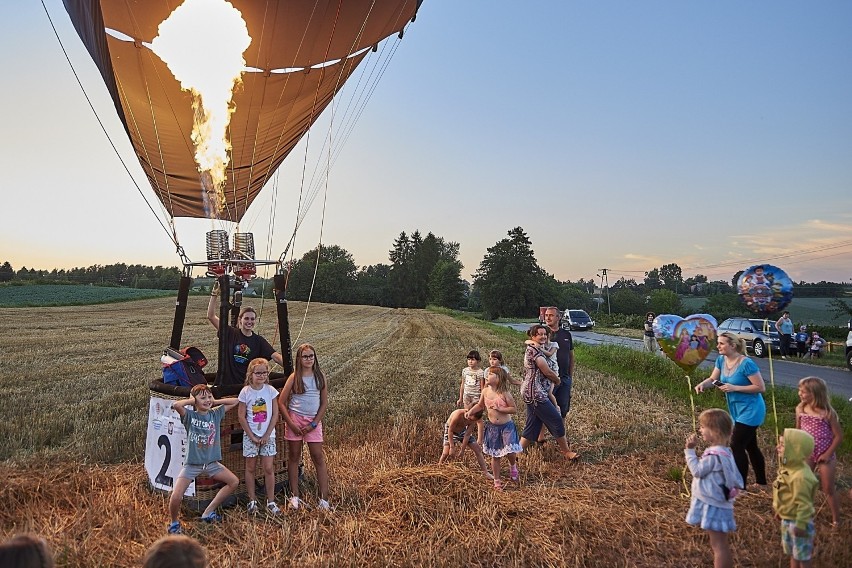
<point>498,485</point>
<point>175,528</point>
<point>569,455</point>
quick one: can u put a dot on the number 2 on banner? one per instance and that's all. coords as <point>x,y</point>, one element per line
<point>164,446</point>
<point>164,442</point>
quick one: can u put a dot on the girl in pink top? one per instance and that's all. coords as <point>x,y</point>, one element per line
<point>815,416</point>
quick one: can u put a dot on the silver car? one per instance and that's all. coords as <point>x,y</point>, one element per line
<point>752,330</point>
<point>577,319</point>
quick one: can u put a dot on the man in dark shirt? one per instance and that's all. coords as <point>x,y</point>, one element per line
<point>564,357</point>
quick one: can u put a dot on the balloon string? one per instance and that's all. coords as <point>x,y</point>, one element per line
<point>686,493</point>
<point>692,404</point>
<point>772,378</point>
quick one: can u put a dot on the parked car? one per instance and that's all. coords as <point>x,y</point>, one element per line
<point>752,331</point>
<point>577,319</point>
<point>849,346</point>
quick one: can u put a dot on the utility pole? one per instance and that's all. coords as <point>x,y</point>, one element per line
<point>605,278</point>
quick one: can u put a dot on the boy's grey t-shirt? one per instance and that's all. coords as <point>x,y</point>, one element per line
<point>202,435</point>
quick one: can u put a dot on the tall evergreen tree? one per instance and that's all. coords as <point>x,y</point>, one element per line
<point>509,279</point>
<point>402,265</point>
<point>413,261</point>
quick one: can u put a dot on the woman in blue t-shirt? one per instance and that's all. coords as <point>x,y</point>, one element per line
<point>739,378</point>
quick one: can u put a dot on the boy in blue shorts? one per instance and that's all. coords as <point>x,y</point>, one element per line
<point>793,496</point>
<point>458,429</point>
<point>203,451</point>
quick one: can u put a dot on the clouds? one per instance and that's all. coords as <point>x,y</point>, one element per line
<point>616,134</point>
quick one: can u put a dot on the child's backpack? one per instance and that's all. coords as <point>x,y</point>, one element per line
<point>183,368</point>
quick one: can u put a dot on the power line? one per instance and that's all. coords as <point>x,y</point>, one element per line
<point>749,262</point>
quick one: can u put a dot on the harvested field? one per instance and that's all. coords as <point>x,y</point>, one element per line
<point>74,382</point>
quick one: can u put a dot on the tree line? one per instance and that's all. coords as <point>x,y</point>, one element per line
<point>426,270</point>
<point>130,276</point>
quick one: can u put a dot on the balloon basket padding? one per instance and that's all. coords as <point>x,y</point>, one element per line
<point>276,380</point>
<point>231,436</point>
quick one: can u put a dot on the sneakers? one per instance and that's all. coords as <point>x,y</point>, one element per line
<point>213,517</point>
<point>273,508</point>
<point>175,528</point>
<point>295,503</point>
<point>252,508</point>
<point>324,505</point>
<point>513,473</point>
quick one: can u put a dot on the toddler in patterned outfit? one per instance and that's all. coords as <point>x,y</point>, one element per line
<point>815,416</point>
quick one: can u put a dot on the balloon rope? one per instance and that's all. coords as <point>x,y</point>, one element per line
<point>686,493</point>
<point>771,377</point>
<point>692,404</point>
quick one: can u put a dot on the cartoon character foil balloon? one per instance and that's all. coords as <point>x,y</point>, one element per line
<point>686,341</point>
<point>765,289</point>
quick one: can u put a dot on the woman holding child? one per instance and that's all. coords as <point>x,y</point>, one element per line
<point>535,391</point>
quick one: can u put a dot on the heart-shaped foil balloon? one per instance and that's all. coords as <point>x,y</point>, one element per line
<point>686,341</point>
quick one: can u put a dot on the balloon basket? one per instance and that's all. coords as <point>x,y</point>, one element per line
<point>166,440</point>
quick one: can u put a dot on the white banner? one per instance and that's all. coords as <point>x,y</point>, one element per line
<point>165,446</point>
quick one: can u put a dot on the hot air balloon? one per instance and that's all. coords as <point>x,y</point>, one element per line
<point>301,55</point>
<point>297,56</point>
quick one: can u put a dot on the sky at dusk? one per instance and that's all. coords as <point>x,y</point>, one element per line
<point>620,135</point>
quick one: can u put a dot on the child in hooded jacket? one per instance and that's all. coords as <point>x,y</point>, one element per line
<point>793,496</point>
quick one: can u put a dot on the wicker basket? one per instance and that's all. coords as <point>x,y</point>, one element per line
<point>231,436</point>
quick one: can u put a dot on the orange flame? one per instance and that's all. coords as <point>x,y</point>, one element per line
<point>202,42</point>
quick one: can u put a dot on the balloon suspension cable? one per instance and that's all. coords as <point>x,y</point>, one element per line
<point>103,128</point>
<point>325,190</point>
<point>187,263</point>
<point>316,265</point>
<point>270,234</point>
